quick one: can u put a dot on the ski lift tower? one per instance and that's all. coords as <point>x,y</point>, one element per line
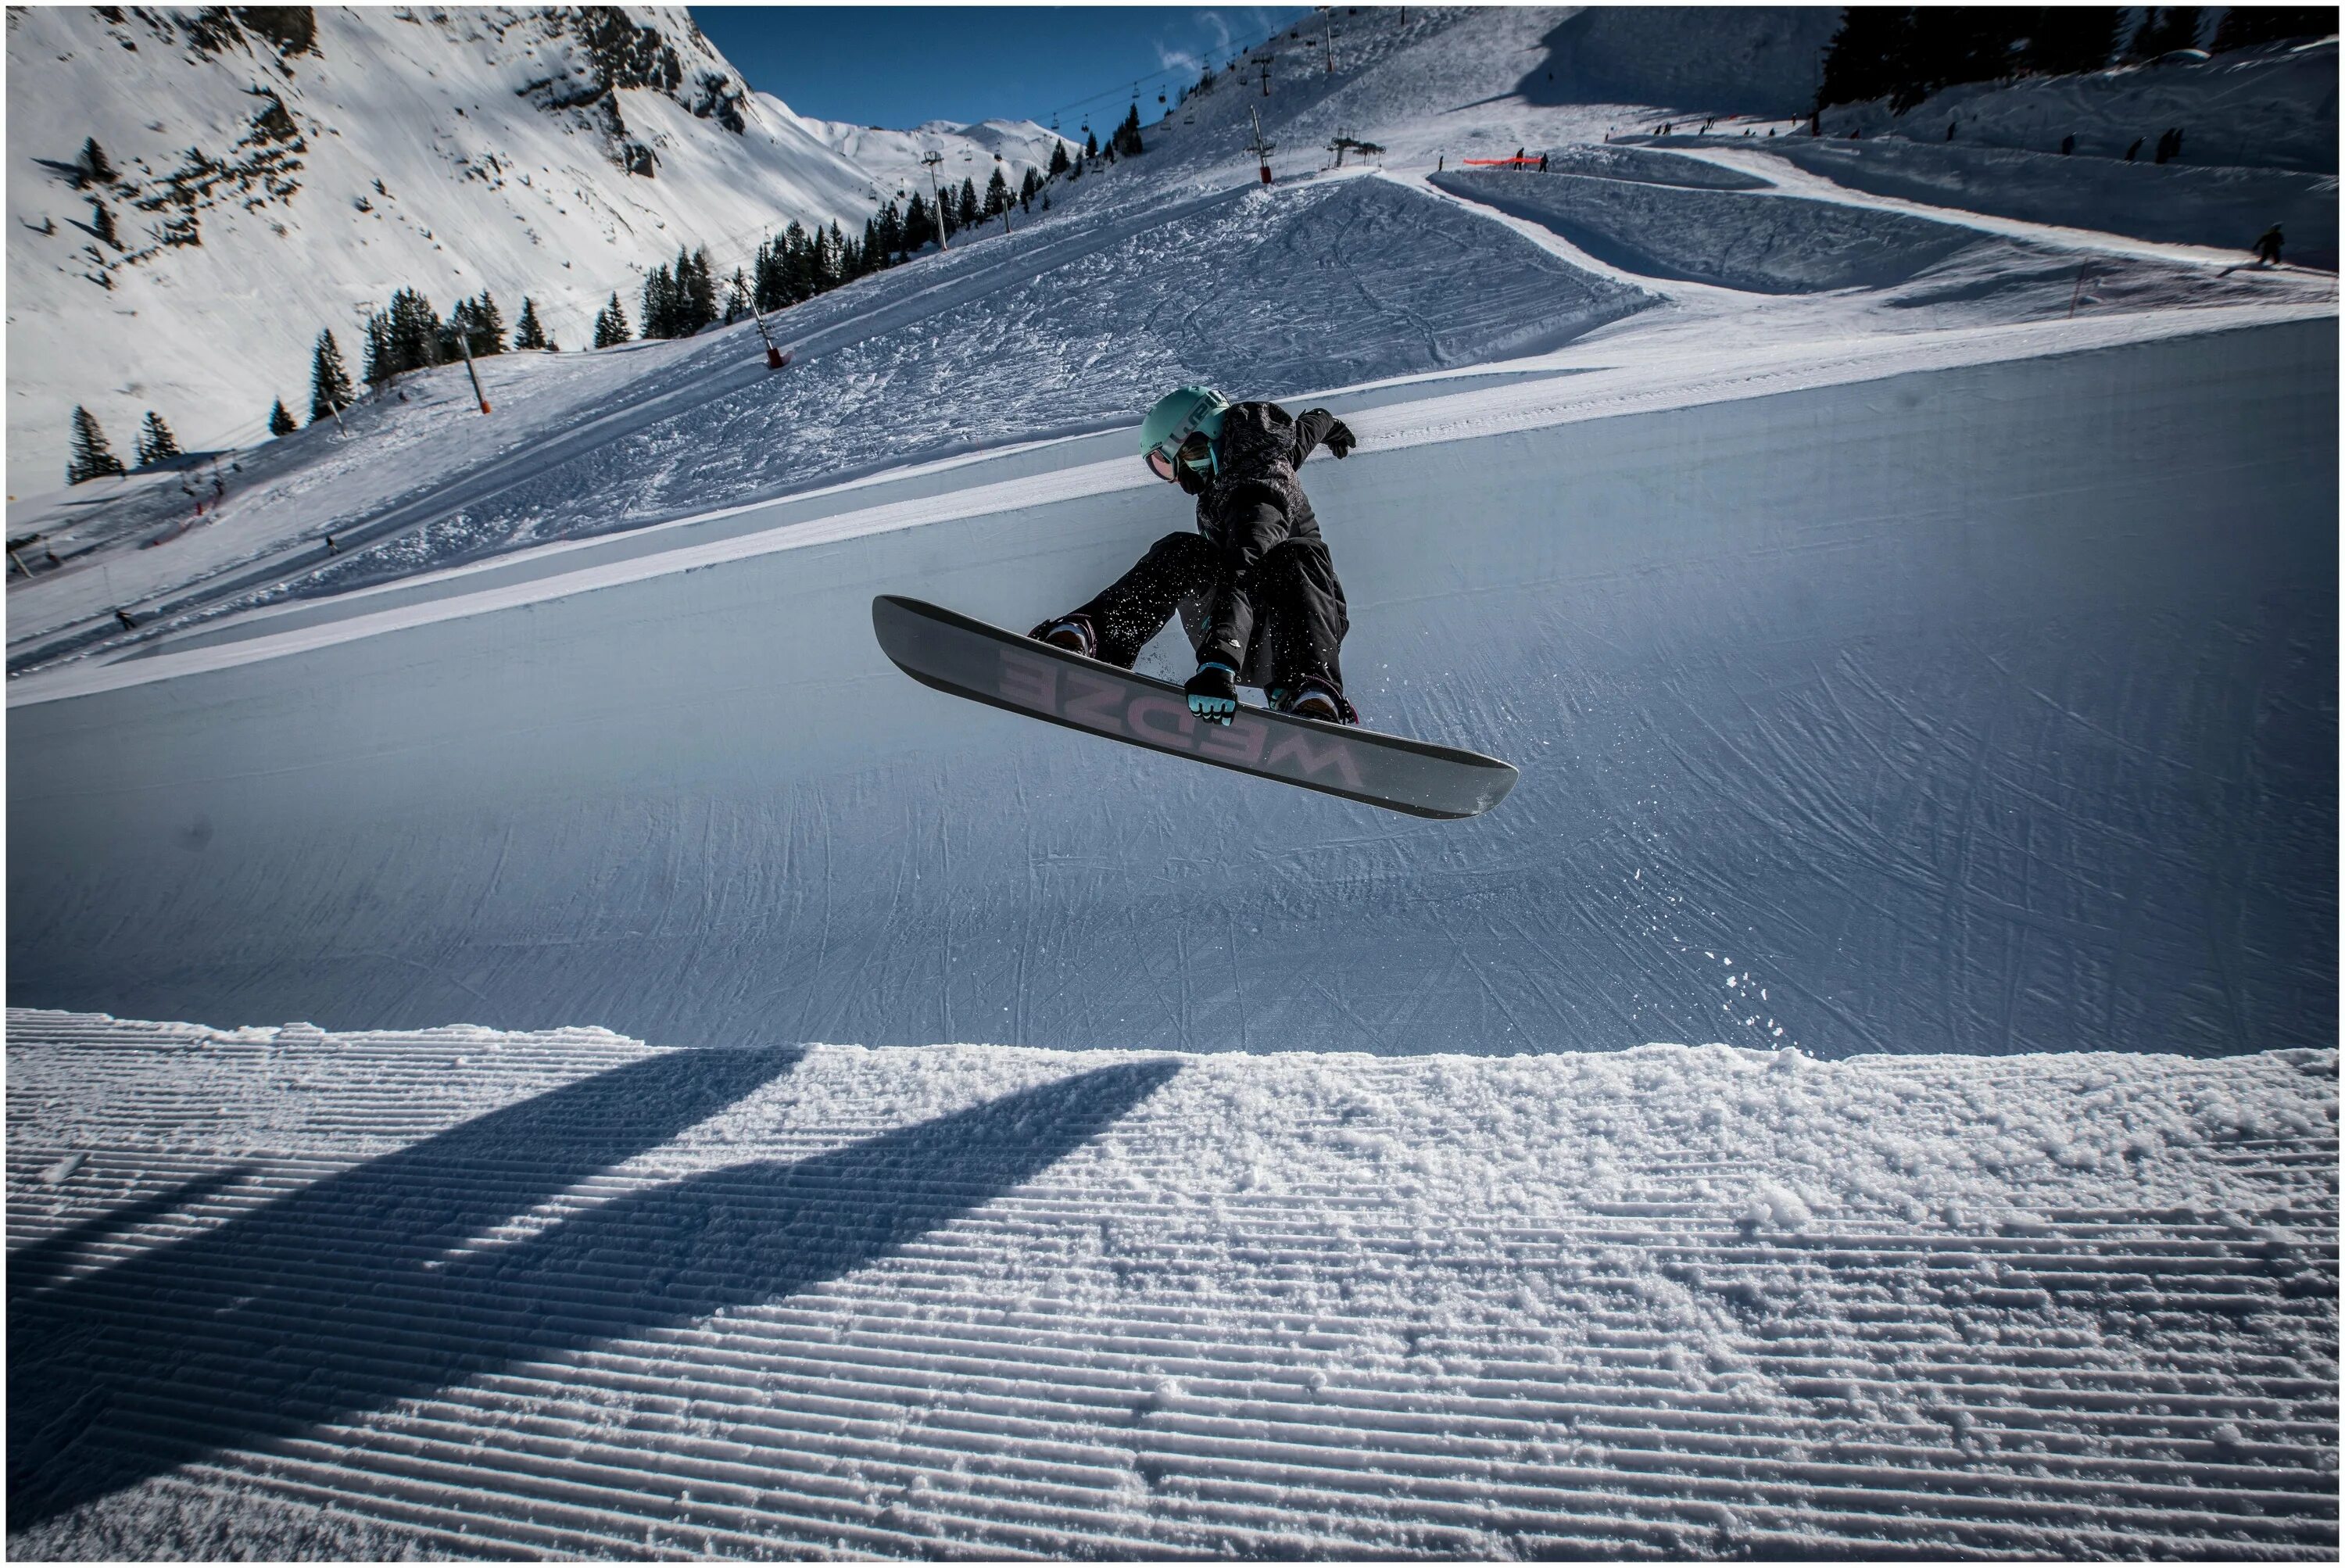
<point>933,159</point>
<point>1262,148</point>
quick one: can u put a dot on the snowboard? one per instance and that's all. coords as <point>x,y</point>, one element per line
<point>967,657</point>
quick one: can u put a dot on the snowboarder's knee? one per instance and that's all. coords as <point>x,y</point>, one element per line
<point>1291,559</point>
<point>1181,547</point>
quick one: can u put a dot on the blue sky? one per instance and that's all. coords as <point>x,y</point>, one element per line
<point>898,66</point>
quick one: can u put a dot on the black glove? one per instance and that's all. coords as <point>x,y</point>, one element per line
<point>1213,692</point>
<point>1340,440</point>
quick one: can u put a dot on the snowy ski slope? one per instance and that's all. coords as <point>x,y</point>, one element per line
<point>1977,707</point>
<point>457,1292</point>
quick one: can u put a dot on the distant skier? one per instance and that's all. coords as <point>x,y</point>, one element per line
<point>2067,145</point>
<point>2267,247</point>
<point>1255,585</point>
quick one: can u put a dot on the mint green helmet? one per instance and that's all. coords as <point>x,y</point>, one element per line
<point>1178,414</point>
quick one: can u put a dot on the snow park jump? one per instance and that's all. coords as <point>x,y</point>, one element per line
<point>621,1008</point>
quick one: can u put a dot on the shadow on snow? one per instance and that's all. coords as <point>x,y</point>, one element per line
<point>345,1297</point>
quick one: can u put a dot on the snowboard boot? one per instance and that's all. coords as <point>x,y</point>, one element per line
<point>1315,696</point>
<point>1072,633</point>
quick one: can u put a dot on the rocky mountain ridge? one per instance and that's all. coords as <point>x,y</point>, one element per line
<point>196,195</point>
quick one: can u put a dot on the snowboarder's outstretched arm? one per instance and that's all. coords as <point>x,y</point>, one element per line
<point>1317,426</point>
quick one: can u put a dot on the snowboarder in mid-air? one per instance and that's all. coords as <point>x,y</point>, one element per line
<point>1255,585</point>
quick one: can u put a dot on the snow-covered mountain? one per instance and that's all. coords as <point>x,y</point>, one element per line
<point>271,173</point>
<point>893,158</point>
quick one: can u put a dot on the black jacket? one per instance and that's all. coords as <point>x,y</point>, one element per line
<point>1260,447</point>
<point>1252,503</point>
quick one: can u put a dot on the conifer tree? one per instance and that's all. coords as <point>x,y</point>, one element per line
<point>2166,27</point>
<point>156,441</point>
<point>1090,144</point>
<point>827,271</point>
<point>2243,25</point>
<point>611,327</point>
<point>101,219</point>
<point>797,264</point>
<point>92,166</point>
<point>997,194</point>
<point>766,281</point>
<point>1027,188</point>
<point>527,332</point>
<point>1869,57</point>
<point>2067,39</point>
<point>452,331</point>
<point>415,333</point>
<point>918,227</point>
<point>970,215</point>
<point>280,422</point>
<point>1126,140</point>
<point>378,368</point>
<point>659,302</point>
<point>91,455</point>
<point>696,289</point>
<point>1058,159</point>
<point>329,383</point>
<point>487,326</point>
<point>736,297</point>
<point>1958,43</point>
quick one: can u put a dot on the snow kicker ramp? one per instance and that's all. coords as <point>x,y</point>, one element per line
<point>1986,710</point>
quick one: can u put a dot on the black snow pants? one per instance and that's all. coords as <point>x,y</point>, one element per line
<point>1289,615</point>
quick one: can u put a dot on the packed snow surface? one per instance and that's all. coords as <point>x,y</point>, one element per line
<point>1932,699</point>
<point>2226,209</point>
<point>280,1292</point>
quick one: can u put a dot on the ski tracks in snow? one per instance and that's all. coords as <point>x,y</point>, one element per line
<point>490,1294</point>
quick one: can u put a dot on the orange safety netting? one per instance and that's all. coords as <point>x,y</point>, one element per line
<point>1500,162</point>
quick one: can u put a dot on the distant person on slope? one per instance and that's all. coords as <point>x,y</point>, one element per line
<point>1255,585</point>
<point>2267,247</point>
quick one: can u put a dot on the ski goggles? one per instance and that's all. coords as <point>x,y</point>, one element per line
<point>1165,461</point>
